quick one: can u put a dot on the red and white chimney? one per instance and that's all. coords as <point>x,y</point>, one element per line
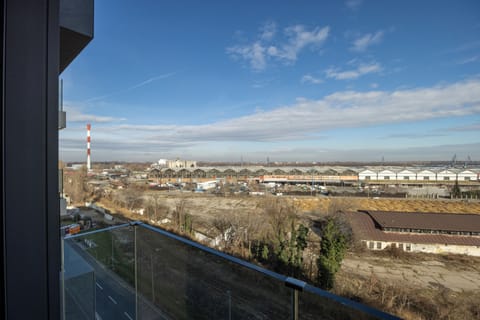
<point>88,147</point>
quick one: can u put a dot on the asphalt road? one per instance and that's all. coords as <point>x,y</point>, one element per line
<point>115,299</point>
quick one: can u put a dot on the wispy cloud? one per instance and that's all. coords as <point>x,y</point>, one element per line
<point>469,60</point>
<point>268,30</point>
<point>133,87</point>
<point>304,120</point>
<point>298,38</point>
<point>413,135</point>
<point>353,4</point>
<point>360,70</point>
<point>362,43</point>
<point>469,127</point>
<point>465,47</point>
<point>295,39</point>
<point>311,79</point>
<point>75,114</point>
<point>253,53</point>
<point>309,117</point>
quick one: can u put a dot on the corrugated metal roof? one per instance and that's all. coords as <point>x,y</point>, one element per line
<point>427,221</point>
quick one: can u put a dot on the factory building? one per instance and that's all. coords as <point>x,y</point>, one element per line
<point>417,232</point>
<point>426,175</point>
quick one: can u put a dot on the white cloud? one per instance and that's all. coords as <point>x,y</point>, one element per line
<point>304,120</point>
<point>469,60</point>
<point>363,42</point>
<point>470,127</point>
<point>76,115</point>
<point>361,70</point>
<point>353,4</point>
<point>254,53</point>
<point>311,79</point>
<point>296,38</point>
<point>268,30</point>
<point>306,117</point>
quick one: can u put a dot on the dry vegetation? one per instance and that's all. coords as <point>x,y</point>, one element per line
<point>407,301</point>
<point>407,205</point>
<point>215,215</point>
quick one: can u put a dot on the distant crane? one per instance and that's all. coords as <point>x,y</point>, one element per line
<point>454,161</point>
<point>468,161</point>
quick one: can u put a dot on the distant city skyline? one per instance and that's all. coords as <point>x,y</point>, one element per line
<point>304,81</point>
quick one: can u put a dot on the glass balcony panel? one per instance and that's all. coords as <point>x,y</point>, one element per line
<point>110,254</point>
<point>185,282</point>
<point>78,285</point>
<point>140,272</point>
<point>316,304</point>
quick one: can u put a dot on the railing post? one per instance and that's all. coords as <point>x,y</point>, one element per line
<point>229,304</point>
<point>297,286</point>
<point>295,304</point>
<point>62,277</point>
<point>135,269</point>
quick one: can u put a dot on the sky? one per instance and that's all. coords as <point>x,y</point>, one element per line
<point>352,80</point>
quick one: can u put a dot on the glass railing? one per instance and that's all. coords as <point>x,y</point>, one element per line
<point>136,271</point>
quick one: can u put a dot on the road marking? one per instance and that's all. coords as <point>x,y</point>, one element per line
<point>127,315</point>
<point>98,285</point>
<point>113,300</point>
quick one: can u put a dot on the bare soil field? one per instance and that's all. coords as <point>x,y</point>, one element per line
<point>432,273</point>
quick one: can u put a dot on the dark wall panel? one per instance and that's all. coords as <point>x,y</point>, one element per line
<point>29,153</point>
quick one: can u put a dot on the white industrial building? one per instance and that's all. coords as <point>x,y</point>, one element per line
<point>406,174</point>
<point>467,175</point>
<point>447,175</point>
<point>426,175</point>
<point>387,174</point>
<point>367,175</point>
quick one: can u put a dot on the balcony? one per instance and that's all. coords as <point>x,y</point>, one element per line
<point>136,271</point>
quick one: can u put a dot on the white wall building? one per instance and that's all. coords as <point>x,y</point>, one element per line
<point>426,175</point>
<point>406,174</point>
<point>367,175</point>
<point>387,174</point>
<point>447,175</point>
<point>467,175</point>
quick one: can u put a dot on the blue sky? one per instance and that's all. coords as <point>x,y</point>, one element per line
<point>289,80</point>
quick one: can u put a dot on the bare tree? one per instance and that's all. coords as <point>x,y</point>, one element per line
<point>74,185</point>
<point>156,209</point>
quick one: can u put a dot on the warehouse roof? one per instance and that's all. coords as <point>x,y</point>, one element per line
<point>427,221</point>
<point>364,228</point>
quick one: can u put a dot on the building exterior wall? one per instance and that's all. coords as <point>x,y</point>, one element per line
<point>367,175</point>
<point>446,175</point>
<point>387,175</point>
<point>426,175</point>
<point>425,248</point>
<point>174,164</point>
<point>406,175</point>
<point>467,175</point>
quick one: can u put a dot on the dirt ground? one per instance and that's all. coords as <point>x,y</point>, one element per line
<point>430,273</point>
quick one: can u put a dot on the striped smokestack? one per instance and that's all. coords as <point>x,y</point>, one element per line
<point>88,147</point>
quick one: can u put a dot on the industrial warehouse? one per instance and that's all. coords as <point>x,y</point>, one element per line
<point>322,174</point>
<point>418,232</point>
